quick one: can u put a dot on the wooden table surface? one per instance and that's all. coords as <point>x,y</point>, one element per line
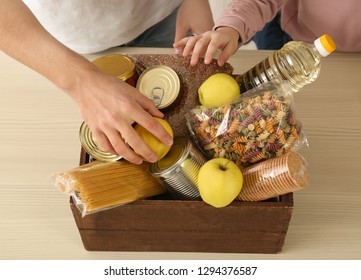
<point>39,136</point>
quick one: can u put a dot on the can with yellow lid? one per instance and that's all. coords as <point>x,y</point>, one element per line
<point>89,144</point>
<point>118,65</point>
<point>161,84</point>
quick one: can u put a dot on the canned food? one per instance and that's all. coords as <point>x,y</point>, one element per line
<point>161,84</point>
<point>90,145</point>
<point>178,170</point>
<point>118,65</point>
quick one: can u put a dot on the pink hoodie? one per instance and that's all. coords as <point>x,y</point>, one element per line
<point>303,20</point>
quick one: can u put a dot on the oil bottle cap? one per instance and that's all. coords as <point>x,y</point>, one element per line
<point>325,45</point>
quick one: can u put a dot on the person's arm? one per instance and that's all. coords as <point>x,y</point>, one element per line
<point>239,22</point>
<point>109,106</point>
<point>194,16</point>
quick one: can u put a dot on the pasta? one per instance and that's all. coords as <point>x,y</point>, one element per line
<point>258,127</point>
<point>98,186</point>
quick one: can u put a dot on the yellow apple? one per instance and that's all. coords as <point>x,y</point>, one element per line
<point>153,142</point>
<point>218,90</point>
<point>219,182</point>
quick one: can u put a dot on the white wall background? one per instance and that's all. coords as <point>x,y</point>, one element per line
<point>218,6</point>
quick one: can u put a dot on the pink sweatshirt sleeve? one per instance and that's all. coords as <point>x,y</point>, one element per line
<point>249,16</point>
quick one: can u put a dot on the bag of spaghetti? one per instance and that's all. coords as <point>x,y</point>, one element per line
<point>99,186</point>
<point>259,125</point>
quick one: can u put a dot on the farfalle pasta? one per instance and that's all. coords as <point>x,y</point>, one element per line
<point>261,125</point>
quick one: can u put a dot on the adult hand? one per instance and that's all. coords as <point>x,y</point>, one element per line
<point>110,107</point>
<point>194,16</point>
<point>225,39</point>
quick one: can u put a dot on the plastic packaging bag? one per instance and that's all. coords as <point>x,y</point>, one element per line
<point>274,177</point>
<point>262,124</point>
<point>99,186</point>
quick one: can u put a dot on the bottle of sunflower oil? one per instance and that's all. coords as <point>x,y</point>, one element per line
<point>297,62</point>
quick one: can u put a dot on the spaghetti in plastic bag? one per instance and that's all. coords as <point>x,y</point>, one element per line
<point>99,186</point>
<point>262,124</point>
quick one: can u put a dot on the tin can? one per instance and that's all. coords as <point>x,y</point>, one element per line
<point>118,65</point>
<point>161,84</point>
<point>178,170</point>
<point>89,144</point>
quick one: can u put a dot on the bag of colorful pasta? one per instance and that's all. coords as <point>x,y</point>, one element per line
<point>262,124</point>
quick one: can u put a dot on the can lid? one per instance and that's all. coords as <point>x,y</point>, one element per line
<point>90,145</point>
<point>161,84</point>
<point>172,159</point>
<point>325,45</point>
<point>117,65</point>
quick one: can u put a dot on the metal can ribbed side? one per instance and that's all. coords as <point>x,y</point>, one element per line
<point>180,177</point>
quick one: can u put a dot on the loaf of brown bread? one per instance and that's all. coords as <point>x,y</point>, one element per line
<point>191,77</point>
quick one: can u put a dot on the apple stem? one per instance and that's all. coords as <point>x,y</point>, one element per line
<point>224,166</point>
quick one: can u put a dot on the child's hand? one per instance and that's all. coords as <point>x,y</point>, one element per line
<point>226,39</point>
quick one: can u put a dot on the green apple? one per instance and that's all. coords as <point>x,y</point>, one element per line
<point>218,90</point>
<point>219,182</point>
